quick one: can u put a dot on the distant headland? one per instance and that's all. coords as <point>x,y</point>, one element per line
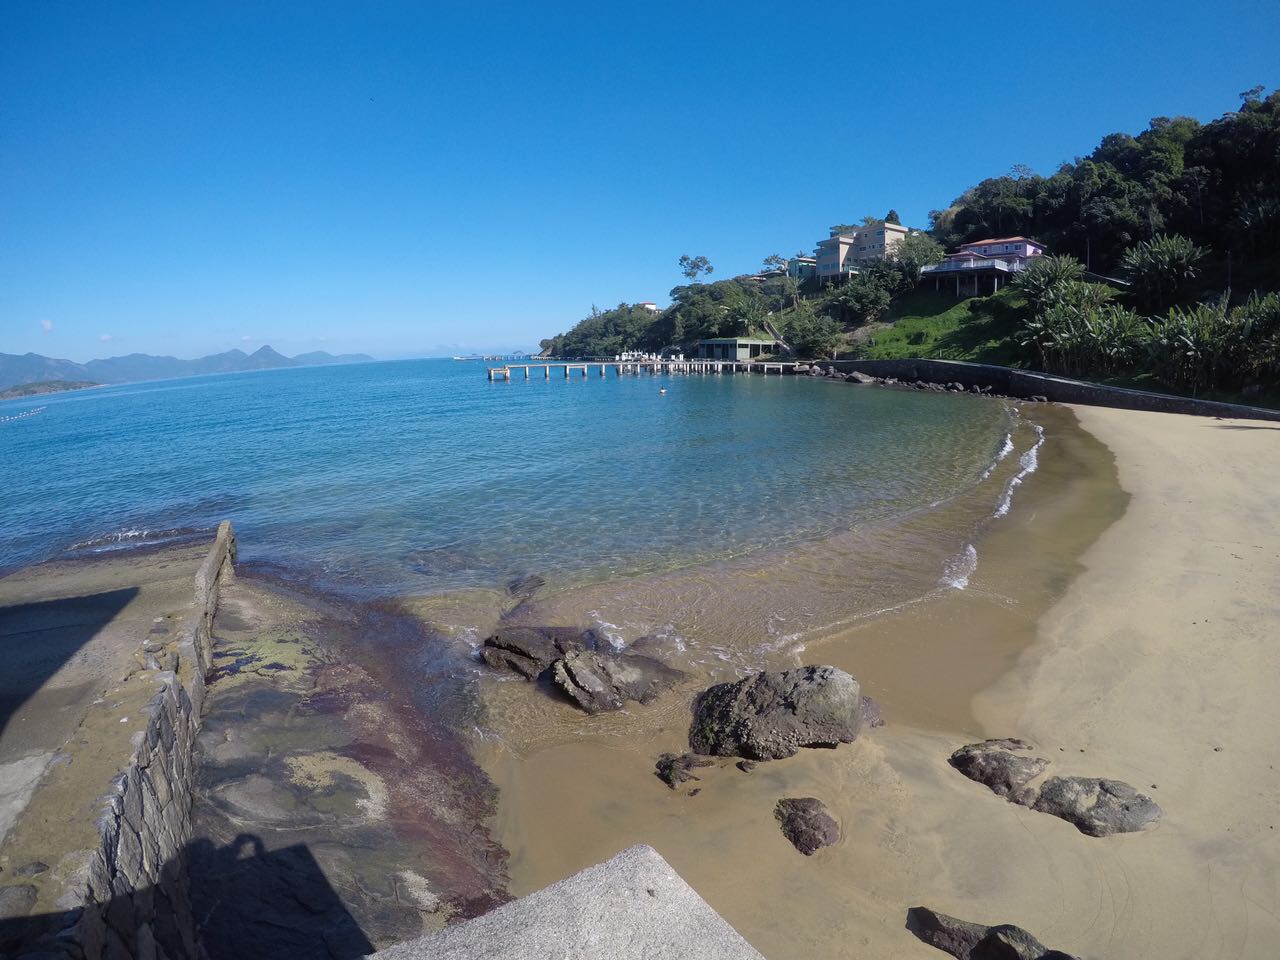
<point>34,369</point>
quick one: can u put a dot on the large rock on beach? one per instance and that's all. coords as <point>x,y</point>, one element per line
<point>1098,808</point>
<point>771,715</point>
<point>806,823</point>
<point>994,764</point>
<point>598,682</point>
<point>977,941</point>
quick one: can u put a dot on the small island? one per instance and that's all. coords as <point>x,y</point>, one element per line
<point>44,386</point>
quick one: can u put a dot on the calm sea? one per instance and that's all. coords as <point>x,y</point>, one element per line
<point>421,476</point>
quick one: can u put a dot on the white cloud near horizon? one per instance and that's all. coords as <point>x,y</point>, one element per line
<point>105,337</point>
<point>46,325</point>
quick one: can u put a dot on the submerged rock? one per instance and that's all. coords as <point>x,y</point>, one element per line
<point>806,823</point>
<point>530,651</point>
<point>992,764</point>
<point>675,769</point>
<point>526,585</point>
<point>598,682</point>
<point>977,941</point>
<point>1098,808</point>
<point>771,715</point>
<point>870,711</point>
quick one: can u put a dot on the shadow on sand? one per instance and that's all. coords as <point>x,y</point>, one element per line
<point>236,902</point>
<point>36,639</point>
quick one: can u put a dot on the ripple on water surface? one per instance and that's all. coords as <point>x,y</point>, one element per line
<point>421,476</point>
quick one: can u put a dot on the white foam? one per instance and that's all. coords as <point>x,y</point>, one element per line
<point>1006,448</point>
<point>957,571</point>
<point>1027,465</point>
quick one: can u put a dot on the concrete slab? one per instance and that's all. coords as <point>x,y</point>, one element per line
<point>633,907</point>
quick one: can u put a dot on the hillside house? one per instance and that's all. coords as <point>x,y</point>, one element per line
<point>983,263</point>
<point>841,254</point>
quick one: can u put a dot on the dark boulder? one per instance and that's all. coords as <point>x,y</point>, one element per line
<point>1098,808</point>
<point>674,769</point>
<point>993,764</point>
<point>771,715</point>
<point>806,823</point>
<point>977,941</point>
<point>529,651</point>
<point>598,682</point>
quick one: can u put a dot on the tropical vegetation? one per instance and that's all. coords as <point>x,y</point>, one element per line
<point>1165,272</point>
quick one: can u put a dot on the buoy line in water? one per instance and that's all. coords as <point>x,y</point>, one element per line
<point>23,415</point>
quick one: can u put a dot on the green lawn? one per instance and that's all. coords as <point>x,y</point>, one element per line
<point>936,325</point>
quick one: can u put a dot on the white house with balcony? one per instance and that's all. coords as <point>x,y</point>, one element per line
<point>842,253</point>
<point>983,263</point>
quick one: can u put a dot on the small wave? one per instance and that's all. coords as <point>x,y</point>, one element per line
<point>611,632</point>
<point>1027,465</point>
<point>135,537</point>
<point>1006,448</point>
<point>959,569</point>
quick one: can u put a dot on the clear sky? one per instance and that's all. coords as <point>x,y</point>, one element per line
<point>411,179</point>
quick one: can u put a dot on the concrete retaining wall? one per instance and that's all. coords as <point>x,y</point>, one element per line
<point>1028,384</point>
<point>134,899</point>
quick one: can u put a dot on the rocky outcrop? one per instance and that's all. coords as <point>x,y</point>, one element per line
<point>771,715</point>
<point>1098,808</point>
<point>994,764</point>
<point>806,823</point>
<point>595,679</point>
<point>674,769</point>
<point>530,651</point>
<point>598,682</point>
<point>977,941</point>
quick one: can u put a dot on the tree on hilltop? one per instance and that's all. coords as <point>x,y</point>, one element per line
<point>692,266</point>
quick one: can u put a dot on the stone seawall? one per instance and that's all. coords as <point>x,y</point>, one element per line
<point>1028,384</point>
<point>132,896</point>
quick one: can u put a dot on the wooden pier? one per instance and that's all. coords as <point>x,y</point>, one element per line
<point>624,368</point>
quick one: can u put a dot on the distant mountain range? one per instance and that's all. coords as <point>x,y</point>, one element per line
<point>33,368</point>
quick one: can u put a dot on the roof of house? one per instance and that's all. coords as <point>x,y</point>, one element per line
<point>736,340</point>
<point>984,243</point>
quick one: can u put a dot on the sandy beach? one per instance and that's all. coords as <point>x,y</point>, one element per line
<point>1142,659</point>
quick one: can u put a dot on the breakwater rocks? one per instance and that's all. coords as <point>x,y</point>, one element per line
<point>988,379</point>
<point>1097,807</point>
<point>128,894</point>
<point>594,677</point>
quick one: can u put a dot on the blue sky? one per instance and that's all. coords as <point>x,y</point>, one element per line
<point>411,179</point>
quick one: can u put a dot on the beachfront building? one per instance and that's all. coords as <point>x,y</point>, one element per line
<point>841,254</point>
<point>982,266</point>
<point>734,348</point>
<point>802,268</point>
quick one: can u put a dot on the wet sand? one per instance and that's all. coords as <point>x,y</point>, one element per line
<point>1081,629</point>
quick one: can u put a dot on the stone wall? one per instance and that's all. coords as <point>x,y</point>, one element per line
<point>1028,384</point>
<point>132,897</point>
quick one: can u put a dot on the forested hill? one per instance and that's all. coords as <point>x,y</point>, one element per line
<point>1216,184</point>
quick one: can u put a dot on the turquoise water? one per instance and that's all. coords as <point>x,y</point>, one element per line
<point>420,476</point>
